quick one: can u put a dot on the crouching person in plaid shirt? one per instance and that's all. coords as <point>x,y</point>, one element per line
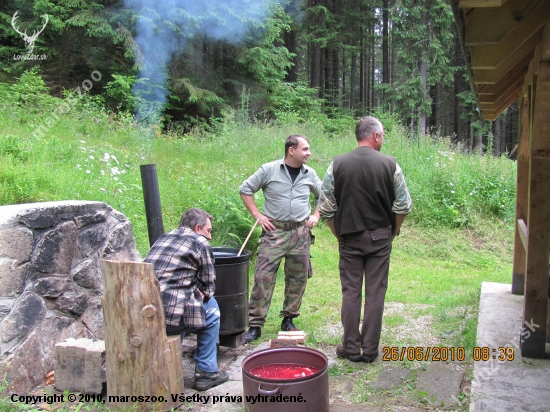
<point>184,266</point>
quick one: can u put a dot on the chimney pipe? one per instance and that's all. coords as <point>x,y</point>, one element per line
<point>151,197</point>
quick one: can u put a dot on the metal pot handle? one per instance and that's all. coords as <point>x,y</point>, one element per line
<point>262,392</point>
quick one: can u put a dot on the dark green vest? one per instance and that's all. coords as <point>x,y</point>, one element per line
<point>363,187</point>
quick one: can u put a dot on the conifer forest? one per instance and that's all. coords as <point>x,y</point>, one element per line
<point>188,64</point>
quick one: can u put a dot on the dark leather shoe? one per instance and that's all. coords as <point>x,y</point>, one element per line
<point>206,380</point>
<point>343,354</point>
<point>253,333</point>
<point>287,325</point>
<point>369,359</point>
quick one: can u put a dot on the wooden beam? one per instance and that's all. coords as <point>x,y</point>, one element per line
<point>545,44</point>
<point>499,88</point>
<point>537,58</point>
<point>523,232</point>
<point>522,192</point>
<point>465,4</point>
<point>494,55</point>
<point>502,58</point>
<point>538,240</point>
<point>496,101</point>
<point>495,112</point>
<point>493,76</point>
<point>486,26</point>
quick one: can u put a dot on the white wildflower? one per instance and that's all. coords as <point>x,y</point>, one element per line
<point>114,158</point>
<point>91,157</point>
<point>101,188</point>
<point>106,157</point>
<point>115,178</point>
<point>82,141</point>
<point>87,171</point>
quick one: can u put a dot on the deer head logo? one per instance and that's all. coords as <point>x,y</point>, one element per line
<point>29,40</point>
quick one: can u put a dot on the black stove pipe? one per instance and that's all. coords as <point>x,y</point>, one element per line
<point>151,197</point>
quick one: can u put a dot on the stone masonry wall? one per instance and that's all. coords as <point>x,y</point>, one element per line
<point>50,283</point>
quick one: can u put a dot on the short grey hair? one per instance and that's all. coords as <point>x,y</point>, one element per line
<point>194,217</point>
<point>292,141</point>
<point>366,127</point>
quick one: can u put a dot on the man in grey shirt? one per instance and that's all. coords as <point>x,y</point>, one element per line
<point>286,222</point>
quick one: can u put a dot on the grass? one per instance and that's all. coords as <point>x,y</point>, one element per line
<point>459,234</point>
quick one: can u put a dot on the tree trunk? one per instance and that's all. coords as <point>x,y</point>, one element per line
<point>373,68</point>
<point>479,142</point>
<point>344,100</point>
<point>471,141</point>
<point>424,78</point>
<point>456,110</point>
<point>437,108</point>
<point>385,43</point>
<point>290,43</point>
<point>422,119</point>
<point>393,67</point>
<point>497,142</point>
<point>368,60</point>
<point>353,79</point>
<point>509,128</point>
<point>315,76</point>
<point>362,70</point>
<point>335,78</point>
<point>327,72</point>
<point>412,123</point>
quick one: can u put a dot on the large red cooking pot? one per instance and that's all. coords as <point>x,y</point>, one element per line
<point>309,393</point>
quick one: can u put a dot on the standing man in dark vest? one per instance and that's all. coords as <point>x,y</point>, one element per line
<point>364,200</point>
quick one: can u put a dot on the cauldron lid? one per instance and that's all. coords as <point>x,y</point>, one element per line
<point>225,255</point>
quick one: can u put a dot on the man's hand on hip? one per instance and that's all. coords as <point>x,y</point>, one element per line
<point>265,223</point>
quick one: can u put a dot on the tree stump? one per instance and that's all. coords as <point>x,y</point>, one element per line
<point>140,359</point>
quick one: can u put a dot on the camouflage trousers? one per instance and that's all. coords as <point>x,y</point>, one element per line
<point>293,246</point>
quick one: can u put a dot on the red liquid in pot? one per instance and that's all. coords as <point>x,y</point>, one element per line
<point>281,371</point>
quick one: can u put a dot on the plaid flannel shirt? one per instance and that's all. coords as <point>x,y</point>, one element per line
<point>184,264</point>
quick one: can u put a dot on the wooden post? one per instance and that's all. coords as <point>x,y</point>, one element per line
<point>533,337</point>
<point>522,185</point>
<point>141,360</point>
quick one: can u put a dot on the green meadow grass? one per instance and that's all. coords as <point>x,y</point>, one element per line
<point>459,234</point>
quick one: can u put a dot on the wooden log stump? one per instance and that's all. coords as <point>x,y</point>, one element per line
<point>140,359</point>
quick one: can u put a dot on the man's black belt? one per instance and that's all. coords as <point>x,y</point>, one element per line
<point>288,225</point>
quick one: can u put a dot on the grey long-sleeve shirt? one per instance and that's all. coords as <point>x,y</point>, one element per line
<point>284,200</point>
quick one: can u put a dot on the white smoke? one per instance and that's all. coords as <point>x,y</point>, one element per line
<point>164,26</point>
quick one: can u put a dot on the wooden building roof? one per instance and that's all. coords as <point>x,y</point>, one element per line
<point>500,39</point>
<point>507,49</point>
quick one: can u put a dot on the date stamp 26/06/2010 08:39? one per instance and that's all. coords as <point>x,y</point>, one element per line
<point>444,353</point>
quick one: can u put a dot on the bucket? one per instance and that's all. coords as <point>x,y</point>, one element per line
<point>309,393</point>
<point>232,288</point>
